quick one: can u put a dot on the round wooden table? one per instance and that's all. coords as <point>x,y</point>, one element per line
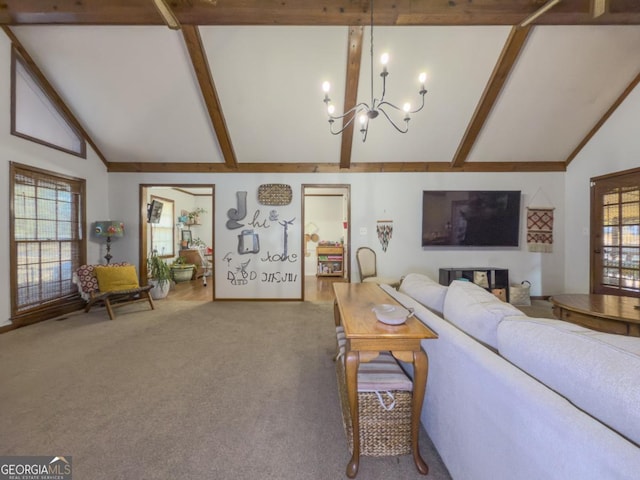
<point>605,313</point>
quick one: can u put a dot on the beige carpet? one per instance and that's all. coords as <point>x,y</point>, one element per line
<point>538,309</point>
<point>224,390</point>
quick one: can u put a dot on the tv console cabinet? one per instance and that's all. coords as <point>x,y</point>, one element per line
<point>496,278</point>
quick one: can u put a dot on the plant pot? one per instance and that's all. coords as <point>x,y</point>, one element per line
<point>182,273</point>
<point>159,292</point>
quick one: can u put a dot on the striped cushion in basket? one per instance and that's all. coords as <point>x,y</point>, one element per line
<point>381,374</point>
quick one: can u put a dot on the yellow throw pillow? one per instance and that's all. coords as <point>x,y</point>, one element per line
<point>114,279</point>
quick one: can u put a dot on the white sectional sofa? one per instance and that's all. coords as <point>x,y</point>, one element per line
<point>511,397</point>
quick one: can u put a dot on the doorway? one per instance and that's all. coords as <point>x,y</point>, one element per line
<point>615,234</point>
<point>179,235</point>
<point>326,238</point>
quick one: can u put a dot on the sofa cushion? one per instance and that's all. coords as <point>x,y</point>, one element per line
<point>424,290</point>
<point>85,278</point>
<point>476,311</point>
<point>597,372</point>
<point>114,279</point>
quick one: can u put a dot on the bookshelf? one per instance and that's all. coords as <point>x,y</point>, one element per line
<point>330,261</point>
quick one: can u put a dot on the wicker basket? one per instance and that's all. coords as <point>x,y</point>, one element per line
<point>382,432</point>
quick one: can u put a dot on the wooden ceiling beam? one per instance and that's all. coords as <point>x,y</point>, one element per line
<point>201,68</point>
<point>304,12</point>
<point>354,59</point>
<point>367,167</point>
<point>53,95</point>
<point>506,61</point>
<point>604,118</point>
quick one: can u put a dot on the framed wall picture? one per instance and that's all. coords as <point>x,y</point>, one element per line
<point>186,238</point>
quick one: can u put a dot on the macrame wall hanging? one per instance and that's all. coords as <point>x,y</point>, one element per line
<point>540,225</point>
<point>385,230</point>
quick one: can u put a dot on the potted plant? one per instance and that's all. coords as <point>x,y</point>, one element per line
<point>181,271</point>
<point>194,214</point>
<point>159,275</point>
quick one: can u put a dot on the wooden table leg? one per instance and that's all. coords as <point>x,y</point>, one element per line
<point>351,373</point>
<point>336,313</point>
<point>421,370</point>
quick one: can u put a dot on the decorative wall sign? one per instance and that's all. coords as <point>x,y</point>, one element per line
<point>540,225</point>
<point>285,225</point>
<point>260,245</point>
<point>248,242</point>
<point>274,194</point>
<point>239,213</point>
<point>385,230</point>
<point>540,229</point>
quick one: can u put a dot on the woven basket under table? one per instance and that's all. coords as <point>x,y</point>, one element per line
<point>382,432</point>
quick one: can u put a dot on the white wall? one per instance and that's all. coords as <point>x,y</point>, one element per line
<point>15,149</point>
<point>396,196</point>
<point>616,147</point>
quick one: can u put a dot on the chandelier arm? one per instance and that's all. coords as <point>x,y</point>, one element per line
<point>344,125</point>
<point>422,93</point>
<point>400,109</point>
<point>389,104</point>
<point>406,129</point>
<point>353,110</point>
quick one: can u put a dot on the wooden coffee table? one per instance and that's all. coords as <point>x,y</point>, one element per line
<point>366,337</point>
<point>605,313</point>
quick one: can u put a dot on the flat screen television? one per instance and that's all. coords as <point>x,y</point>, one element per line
<point>470,218</point>
<point>154,211</point>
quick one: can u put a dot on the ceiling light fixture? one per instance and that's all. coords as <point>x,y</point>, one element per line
<point>366,112</point>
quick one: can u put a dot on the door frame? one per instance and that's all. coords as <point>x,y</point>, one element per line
<point>143,232</point>
<point>346,260</point>
<point>596,264</point>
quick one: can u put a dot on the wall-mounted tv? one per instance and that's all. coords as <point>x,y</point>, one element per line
<point>470,218</point>
<point>154,211</point>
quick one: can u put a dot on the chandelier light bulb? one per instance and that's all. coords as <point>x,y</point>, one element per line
<point>331,109</point>
<point>407,107</point>
<point>384,58</point>
<point>363,119</point>
<point>423,78</point>
<point>326,86</point>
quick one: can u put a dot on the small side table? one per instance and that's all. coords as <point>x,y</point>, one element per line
<point>366,337</point>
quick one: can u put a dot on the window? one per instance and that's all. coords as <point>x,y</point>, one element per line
<point>47,242</point>
<point>36,116</point>
<point>615,257</point>
<point>162,233</point>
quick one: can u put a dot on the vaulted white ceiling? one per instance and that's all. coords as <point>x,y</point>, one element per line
<point>135,91</point>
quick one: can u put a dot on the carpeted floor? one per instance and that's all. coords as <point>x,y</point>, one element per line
<point>538,309</point>
<point>224,390</point>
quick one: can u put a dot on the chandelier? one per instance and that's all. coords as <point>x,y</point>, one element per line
<point>368,111</point>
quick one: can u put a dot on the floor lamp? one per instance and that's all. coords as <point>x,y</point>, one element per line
<point>109,228</point>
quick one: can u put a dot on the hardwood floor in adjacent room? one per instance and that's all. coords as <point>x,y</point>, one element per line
<point>193,290</point>
<point>320,289</point>
<point>315,289</point>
